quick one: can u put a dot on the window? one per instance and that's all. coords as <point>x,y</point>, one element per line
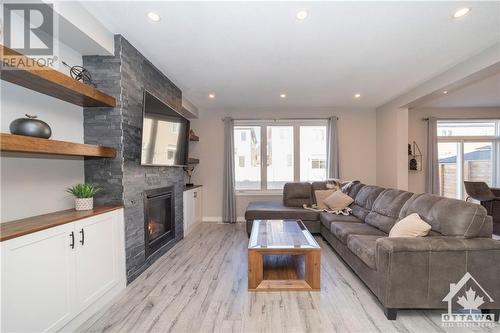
<point>247,175</point>
<point>291,151</point>
<point>312,153</point>
<point>279,147</point>
<point>468,150</point>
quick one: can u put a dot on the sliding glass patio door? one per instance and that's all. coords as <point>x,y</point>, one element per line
<point>468,151</point>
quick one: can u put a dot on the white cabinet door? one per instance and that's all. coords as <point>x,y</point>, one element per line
<point>38,280</point>
<point>96,259</point>
<point>198,206</point>
<point>187,210</point>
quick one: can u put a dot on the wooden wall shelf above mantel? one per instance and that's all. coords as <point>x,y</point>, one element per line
<point>27,144</point>
<point>49,81</point>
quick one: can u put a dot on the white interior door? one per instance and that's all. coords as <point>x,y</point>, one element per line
<point>96,260</point>
<point>38,281</point>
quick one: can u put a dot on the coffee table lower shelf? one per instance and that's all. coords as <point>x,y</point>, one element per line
<point>284,270</point>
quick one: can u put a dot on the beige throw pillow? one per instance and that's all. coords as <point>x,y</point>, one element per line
<point>410,226</point>
<point>338,200</point>
<point>321,196</point>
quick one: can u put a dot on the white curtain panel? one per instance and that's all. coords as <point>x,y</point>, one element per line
<point>332,149</point>
<point>432,175</point>
<point>228,195</point>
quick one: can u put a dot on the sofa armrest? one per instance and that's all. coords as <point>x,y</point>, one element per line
<point>417,272</point>
<point>436,244</point>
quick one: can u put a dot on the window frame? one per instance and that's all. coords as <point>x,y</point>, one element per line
<point>461,140</point>
<point>296,124</point>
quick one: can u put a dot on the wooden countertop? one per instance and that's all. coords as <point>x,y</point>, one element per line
<point>13,229</point>
<point>187,188</point>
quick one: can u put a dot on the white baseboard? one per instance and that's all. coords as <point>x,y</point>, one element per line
<point>218,219</point>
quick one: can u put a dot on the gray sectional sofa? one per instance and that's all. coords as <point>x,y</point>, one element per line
<point>403,273</point>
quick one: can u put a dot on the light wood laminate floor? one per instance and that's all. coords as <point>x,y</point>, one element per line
<point>201,286</point>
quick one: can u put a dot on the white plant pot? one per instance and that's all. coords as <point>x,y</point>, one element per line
<point>84,203</point>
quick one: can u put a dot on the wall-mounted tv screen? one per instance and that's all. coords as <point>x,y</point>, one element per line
<point>165,134</point>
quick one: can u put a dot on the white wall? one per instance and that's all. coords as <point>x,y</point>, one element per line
<point>357,140</point>
<point>392,153</point>
<point>35,184</point>
<point>417,131</point>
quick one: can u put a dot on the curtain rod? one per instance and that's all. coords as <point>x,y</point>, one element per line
<point>275,119</point>
<point>471,118</point>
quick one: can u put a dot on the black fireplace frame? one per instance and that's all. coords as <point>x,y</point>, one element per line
<point>167,192</point>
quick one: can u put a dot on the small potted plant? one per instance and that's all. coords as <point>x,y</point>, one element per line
<point>84,195</point>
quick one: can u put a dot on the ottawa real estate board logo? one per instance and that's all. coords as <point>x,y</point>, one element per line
<point>470,296</point>
<point>28,36</point>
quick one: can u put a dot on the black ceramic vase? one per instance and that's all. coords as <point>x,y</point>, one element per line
<point>30,126</point>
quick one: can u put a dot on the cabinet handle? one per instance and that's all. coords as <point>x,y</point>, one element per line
<point>82,239</point>
<point>195,194</point>
<point>72,244</point>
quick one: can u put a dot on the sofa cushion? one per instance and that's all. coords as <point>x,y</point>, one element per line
<point>449,217</point>
<point>320,196</point>
<point>410,226</point>
<point>364,200</point>
<point>317,186</point>
<point>342,230</point>
<point>365,248</point>
<point>270,210</point>
<point>386,208</point>
<point>328,218</point>
<point>338,200</point>
<point>297,194</point>
<point>352,188</point>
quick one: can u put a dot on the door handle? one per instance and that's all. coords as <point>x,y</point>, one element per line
<point>72,244</point>
<point>82,238</point>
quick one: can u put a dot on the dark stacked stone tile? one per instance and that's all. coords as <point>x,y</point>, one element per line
<point>125,76</point>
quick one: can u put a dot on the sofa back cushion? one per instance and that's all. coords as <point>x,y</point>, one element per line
<point>364,200</point>
<point>385,210</point>
<point>297,194</point>
<point>353,188</point>
<point>449,217</point>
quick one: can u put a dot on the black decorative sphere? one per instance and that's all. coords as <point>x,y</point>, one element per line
<point>30,126</point>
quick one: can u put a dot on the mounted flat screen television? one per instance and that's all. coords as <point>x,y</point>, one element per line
<point>165,134</point>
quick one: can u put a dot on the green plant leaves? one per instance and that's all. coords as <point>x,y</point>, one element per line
<point>84,190</point>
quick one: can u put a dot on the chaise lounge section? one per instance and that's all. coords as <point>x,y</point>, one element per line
<point>403,273</point>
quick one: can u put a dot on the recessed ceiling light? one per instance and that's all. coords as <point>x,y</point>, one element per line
<point>461,12</point>
<point>301,15</point>
<point>357,95</point>
<point>154,16</point>
<point>211,96</point>
<point>445,92</point>
<point>283,96</point>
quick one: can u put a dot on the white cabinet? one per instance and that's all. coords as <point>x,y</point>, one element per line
<point>54,277</point>
<point>96,261</point>
<point>193,201</point>
<point>37,281</point>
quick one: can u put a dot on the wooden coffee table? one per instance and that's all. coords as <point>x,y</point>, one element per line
<point>283,255</point>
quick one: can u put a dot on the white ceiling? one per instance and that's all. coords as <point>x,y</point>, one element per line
<point>247,53</point>
<point>481,94</point>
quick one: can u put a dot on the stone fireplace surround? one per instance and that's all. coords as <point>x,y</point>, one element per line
<point>124,76</point>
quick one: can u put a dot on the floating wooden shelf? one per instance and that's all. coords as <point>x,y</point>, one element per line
<point>9,230</point>
<point>23,71</point>
<point>193,160</point>
<point>27,144</point>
